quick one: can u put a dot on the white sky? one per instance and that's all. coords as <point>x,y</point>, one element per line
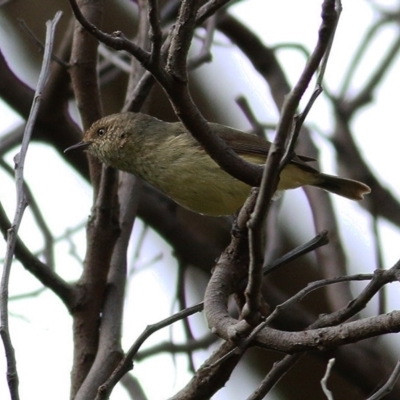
<point>43,348</point>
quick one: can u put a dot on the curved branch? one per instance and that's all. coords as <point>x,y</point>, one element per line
<point>117,40</point>
<point>326,338</point>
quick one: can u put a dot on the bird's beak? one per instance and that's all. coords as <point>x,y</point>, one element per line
<point>80,145</point>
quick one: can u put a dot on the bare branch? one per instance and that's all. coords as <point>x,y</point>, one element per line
<point>280,153</point>
<point>12,375</point>
<point>126,364</point>
<point>174,348</point>
<point>324,380</point>
<point>117,40</point>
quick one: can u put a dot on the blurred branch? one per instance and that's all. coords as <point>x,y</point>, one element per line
<point>33,293</point>
<point>12,90</point>
<point>174,348</point>
<point>204,54</point>
<point>365,95</point>
<point>181,300</point>
<point>211,376</point>
<point>262,58</point>
<point>11,139</point>
<point>345,109</point>
<point>48,250</point>
<point>189,244</point>
<point>256,127</point>
<point>38,43</point>
<point>356,167</point>
<point>318,241</point>
<point>41,271</point>
<point>389,384</point>
<point>331,259</point>
<point>133,387</point>
<point>279,369</point>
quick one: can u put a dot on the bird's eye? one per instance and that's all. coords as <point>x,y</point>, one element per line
<point>101,132</point>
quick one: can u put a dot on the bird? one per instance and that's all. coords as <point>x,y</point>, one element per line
<point>168,157</point>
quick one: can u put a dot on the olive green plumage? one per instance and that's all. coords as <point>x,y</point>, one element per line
<point>166,156</point>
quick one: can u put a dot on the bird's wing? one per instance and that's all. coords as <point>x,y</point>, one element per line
<point>252,145</point>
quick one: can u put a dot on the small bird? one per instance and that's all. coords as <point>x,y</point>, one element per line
<point>167,156</point>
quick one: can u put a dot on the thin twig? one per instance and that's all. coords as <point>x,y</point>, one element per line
<point>319,59</point>
<point>174,348</point>
<point>114,58</point>
<point>318,85</point>
<point>324,380</point>
<point>299,296</point>
<point>11,138</point>
<point>126,364</point>
<point>296,46</point>
<point>320,240</point>
<point>365,94</point>
<point>28,295</point>
<point>12,374</point>
<point>279,155</point>
<point>48,277</point>
<point>359,54</point>
<point>314,286</point>
<point>256,127</point>
<point>275,374</point>
<point>38,42</point>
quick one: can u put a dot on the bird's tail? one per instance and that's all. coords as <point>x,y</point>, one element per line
<point>348,188</point>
